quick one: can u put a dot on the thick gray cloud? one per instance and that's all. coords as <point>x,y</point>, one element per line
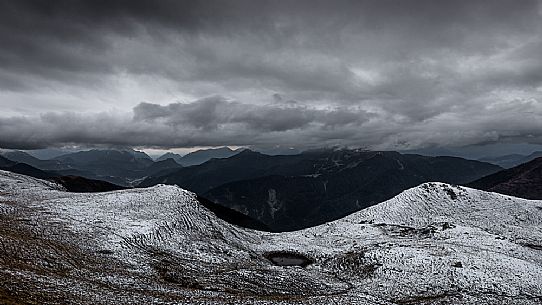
<point>217,121</point>
<point>385,74</point>
<point>206,122</point>
<point>214,113</point>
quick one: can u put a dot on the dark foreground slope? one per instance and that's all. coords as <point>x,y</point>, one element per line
<point>523,181</point>
<point>24,169</point>
<point>84,185</point>
<point>71,183</point>
<point>23,157</point>
<point>298,191</point>
<point>232,216</point>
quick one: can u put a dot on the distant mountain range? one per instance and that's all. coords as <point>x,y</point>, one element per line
<point>71,183</point>
<point>282,192</point>
<point>297,191</point>
<point>23,157</point>
<point>200,156</point>
<point>23,168</point>
<point>523,181</point>
<point>512,160</point>
<point>122,168</point>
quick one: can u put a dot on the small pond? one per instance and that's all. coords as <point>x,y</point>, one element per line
<point>283,258</point>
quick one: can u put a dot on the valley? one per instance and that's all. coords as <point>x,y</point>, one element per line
<point>282,192</point>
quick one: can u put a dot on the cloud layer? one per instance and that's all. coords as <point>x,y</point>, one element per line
<point>383,74</point>
<point>216,121</point>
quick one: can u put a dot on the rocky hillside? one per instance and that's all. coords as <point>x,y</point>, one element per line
<point>432,244</point>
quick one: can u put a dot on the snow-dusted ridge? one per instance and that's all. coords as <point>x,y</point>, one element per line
<point>432,244</point>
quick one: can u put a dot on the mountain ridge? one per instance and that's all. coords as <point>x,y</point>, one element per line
<point>290,192</point>
<point>512,160</point>
<point>200,156</point>
<point>449,245</point>
<point>523,181</point>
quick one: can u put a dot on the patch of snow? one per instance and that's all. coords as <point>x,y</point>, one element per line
<point>435,242</point>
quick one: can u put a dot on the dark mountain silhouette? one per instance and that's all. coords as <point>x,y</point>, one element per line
<point>292,192</point>
<point>163,167</point>
<point>4,162</point>
<point>115,166</point>
<point>71,183</point>
<point>23,157</point>
<point>25,169</point>
<point>83,185</point>
<point>245,165</point>
<point>75,172</point>
<point>101,158</point>
<point>200,156</point>
<point>232,216</point>
<point>50,153</point>
<point>523,181</point>
<point>137,154</point>
<point>19,156</point>
<point>121,167</point>
<point>56,166</point>
<point>169,155</point>
<point>509,161</point>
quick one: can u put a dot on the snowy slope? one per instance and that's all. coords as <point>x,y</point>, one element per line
<point>433,244</point>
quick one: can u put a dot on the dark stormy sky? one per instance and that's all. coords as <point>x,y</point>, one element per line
<point>177,74</point>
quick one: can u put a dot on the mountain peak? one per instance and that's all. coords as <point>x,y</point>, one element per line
<point>167,162</point>
<point>204,155</point>
<point>169,154</point>
<point>246,152</point>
